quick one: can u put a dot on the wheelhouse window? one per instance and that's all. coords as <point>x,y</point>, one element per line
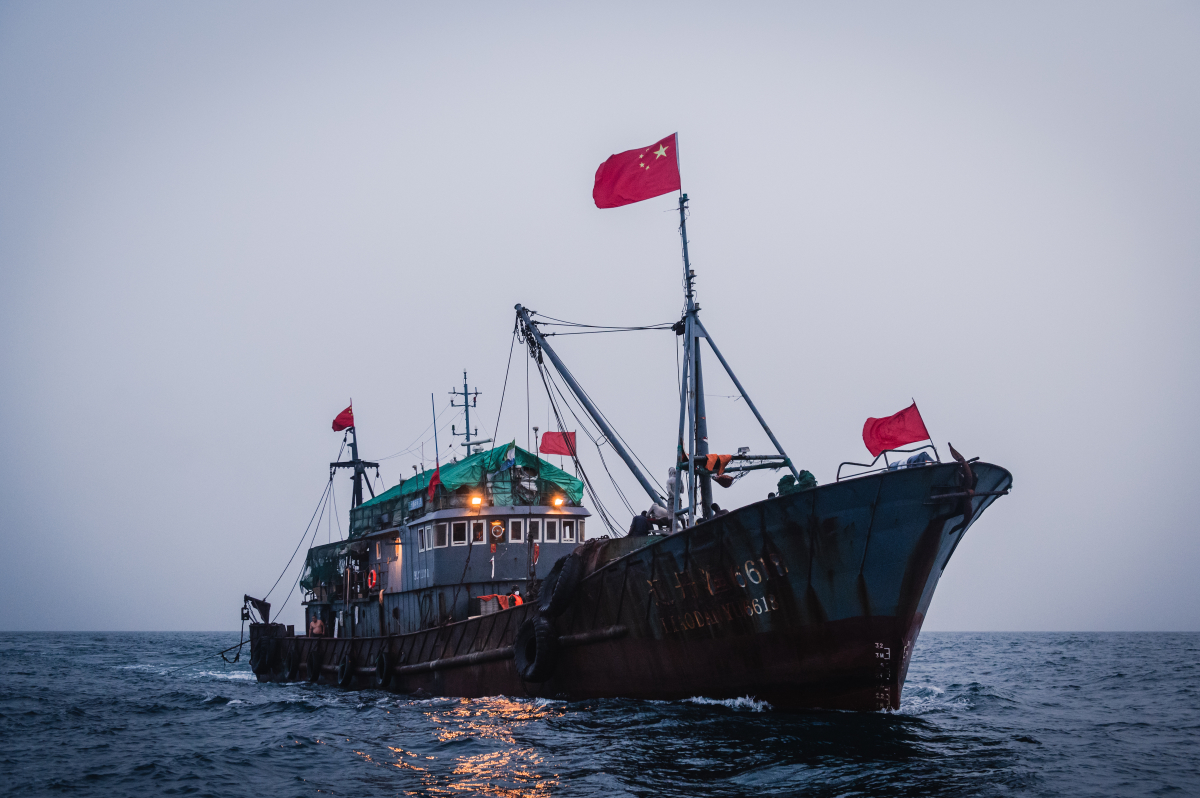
<point>458,533</point>
<point>516,530</point>
<point>568,531</point>
<point>421,538</point>
<point>551,532</point>
<point>476,531</point>
<point>535,530</point>
<point>439,536</point>
<point>580,530</point>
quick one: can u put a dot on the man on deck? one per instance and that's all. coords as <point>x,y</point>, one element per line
<point>316,627</point>
<point>640,526</point>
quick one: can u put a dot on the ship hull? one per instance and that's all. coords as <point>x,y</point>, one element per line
<point>810,600</point>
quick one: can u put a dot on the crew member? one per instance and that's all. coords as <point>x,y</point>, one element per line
<point>640,527</point>
<point>517,601</point>
<point>316,627</point>
<point>660,516</point>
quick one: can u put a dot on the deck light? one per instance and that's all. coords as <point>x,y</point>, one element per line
<point>476,501</point>
<point>558,500</point>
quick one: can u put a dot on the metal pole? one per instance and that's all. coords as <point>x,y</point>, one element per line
<point>437,453</point>
<point>591,408</point>
<point>702,440</point>
<point>688,329</point>
<point>753,409</point>
<point>358,469</point>
<point>683,405</point>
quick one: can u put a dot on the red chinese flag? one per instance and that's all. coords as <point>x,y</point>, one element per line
<point>894,431</point>
<point>637,175</point>
<point>435,480</point>
<point>558,443</point>
<point>344,420</point>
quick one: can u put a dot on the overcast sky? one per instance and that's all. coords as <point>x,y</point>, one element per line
<point>221,221</point>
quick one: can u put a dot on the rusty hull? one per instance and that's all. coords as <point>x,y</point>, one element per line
<point>809,600</point>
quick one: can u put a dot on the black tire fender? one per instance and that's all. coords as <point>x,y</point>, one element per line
<point>345,671</point>
<point>291,670</point>
<point>262,655</point>
<point>559,586</point>
<point>383,668</point>
<point>314,664</point>
<point>535,649</point>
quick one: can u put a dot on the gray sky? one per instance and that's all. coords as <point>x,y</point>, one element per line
<point>220,221</point>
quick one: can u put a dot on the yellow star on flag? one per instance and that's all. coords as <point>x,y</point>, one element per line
<point>661,152</point>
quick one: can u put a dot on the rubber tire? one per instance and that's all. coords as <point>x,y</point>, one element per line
<point>345,671</point>
<point>314,665</point>
<point>535,650</point>
<point>559,586</point>
<point>262,656</point>
<point>383,669</point>
<point>291,670</point>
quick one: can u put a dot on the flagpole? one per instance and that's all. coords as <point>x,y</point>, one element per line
<point>926,426</point>
<point>437,454</point>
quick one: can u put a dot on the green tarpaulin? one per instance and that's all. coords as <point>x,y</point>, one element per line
<point>493,469</point>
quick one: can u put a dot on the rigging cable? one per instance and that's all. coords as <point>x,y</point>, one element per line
<point>279,612</point>
<point>320,502</point>
<point>504,390</point>
<point>605,516</point>
<point>598,443</point>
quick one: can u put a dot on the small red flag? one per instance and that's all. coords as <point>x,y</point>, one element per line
<point>435,480</point>
<point>558,443</point>
<point>637,175</point>
<point>344,420</point>
<point>894,431</point>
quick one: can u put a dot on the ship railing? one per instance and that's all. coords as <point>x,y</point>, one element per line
<point>888,464</point>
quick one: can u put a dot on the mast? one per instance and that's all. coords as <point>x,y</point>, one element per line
<point>532,330</point>
<point>469,400</point>
<point>359,469</point>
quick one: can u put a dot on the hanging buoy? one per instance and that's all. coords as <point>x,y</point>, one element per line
<point>372,579</point>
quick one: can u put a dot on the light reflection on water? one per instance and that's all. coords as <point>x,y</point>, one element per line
<point>1018,714</point>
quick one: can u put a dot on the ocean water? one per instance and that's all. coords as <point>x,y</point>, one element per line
<point>982,714</point>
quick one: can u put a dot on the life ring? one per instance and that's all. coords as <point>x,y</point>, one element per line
<point>535,650</point>
<point>558,588</point>
<point>314,665</point>
<point>345,671</point>
<point>372,580</point>
<point>383,669</point>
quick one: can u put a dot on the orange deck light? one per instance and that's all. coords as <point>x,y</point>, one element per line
<point>558,501</point>
<point>476,501</point>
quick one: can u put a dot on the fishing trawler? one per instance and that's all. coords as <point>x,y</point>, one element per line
<point>481,578</point>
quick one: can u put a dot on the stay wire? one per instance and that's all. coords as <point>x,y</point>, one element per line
<point>504,390</point>
<point>279,612</point>
<point>598,442</point>
<point>605,515</point>
<point>320,503</point>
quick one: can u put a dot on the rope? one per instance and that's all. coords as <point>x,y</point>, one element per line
<point>320,503</point>
<point>504,390</point>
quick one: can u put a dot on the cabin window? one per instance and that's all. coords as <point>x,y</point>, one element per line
<point>551,531</point>
<point>535,530</point>
<point>476,531</point>
<point>439,536</point>
<point>378,556</point>
<point>516,531</point>
<point>421,539</point>
<point>568,531</point>
<point>580,530</point>
<point>458,533</point>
